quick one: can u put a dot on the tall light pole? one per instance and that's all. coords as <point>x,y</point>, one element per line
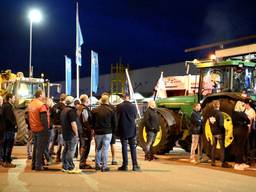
<point>34,16</point>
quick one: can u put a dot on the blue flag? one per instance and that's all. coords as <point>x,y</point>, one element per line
<point>68,75</point>
<point>79,40</point>
<point>94,71</point>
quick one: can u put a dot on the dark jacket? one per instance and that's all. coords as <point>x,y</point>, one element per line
<point>196,122</point>
<point>103,120</point>
<point>126,115</point>
<point>151,120</point>
<point>2,124</point>
<point>9,117</point>
<point>217,124</point>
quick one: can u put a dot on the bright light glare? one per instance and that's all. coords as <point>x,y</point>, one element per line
<point>213,57</point>
<point>35,15</point>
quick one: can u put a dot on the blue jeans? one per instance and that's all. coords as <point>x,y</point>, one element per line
<point>68,153</point>
<point>8,146</point>
<point>151,136</point>
<point>132,145</point>
<point>40,140</point>
<point>102,142</point>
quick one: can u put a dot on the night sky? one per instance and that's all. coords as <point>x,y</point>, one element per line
<point>143,33</point>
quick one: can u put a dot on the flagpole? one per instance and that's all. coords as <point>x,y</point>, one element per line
<point>77,45</point>
<point>131,91</point>
<point>91,81</point>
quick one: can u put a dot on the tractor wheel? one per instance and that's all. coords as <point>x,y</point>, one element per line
<point>21,137</point>
<point>227,107</point>
<point>164,141</point>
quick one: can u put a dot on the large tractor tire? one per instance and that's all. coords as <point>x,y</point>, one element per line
<point>227,107</point>
<point>166,137</point>
<point>185,138</point>
<point>21,137</point>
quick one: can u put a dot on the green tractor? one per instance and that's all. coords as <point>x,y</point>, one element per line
<point>226,78</point>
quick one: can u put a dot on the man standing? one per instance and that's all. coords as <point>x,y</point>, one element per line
<point>103,118</point>
<point>39,121</point>
<point>57,129</point>
<point>85,135</point>
<point>10,129</point>
<point>126,129</point>
<point>218,133</point>
<point>196,131</point>
<point>152,123</point>
<point>68,119</point>
<point>2,128</point>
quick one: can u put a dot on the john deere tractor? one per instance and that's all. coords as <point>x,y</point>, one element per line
<point>229,78</point>
<point>23,89</point>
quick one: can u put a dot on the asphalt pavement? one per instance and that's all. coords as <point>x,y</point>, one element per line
<point>171,172</point>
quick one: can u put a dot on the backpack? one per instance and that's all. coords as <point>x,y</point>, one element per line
<point>56,111</point>
<point>85,116</point>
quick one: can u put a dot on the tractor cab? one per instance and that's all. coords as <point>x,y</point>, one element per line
<point>226,76</point>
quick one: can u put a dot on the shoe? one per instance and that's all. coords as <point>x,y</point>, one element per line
<point>225,165</point>
<point>105,169</point>
<point>85,166</point>
<point>29,157</point>
<point>244,165</point>
<point>9,165</point>
<point>97,168</point>
<point>154,157</point>
<point>41,169</point>
<point>192,161</point>
<point>74,171</point>
<point>58,160</point>
<point>114,162</point>
<point>123,168</point>
<point>213,164</point>
<point>136,168</point>
<point>238,167</point>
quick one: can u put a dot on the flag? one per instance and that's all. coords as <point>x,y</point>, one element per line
<point>68,75</point>
<point>160,88</point>
<point>79,40</point>
<point>94,71</point>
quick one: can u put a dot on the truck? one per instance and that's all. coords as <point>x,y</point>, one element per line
<point>23,88</point>
<point>228,77</point>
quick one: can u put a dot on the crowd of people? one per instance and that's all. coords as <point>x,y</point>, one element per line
<point>71,125</point>
<point>243,120</point>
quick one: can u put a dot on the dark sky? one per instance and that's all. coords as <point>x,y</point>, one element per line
<point>143,32</point>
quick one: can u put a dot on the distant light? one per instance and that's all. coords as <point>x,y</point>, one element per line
<point>35,15</point>
<point>195,61</point>
<point>213,57</point>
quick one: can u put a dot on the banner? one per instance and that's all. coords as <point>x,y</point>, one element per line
<point>79,40</point>
<point>68,75</point>
<point>94,71</point>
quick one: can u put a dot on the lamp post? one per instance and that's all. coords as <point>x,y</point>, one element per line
<point>34,16</point>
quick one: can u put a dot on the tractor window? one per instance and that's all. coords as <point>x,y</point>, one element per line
<point>214,80</point>
<point>243,80</point>
<point>27,90</point>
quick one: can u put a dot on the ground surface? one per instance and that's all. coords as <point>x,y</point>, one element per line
<point>171,172</point>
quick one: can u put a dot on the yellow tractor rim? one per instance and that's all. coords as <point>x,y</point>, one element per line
<point>228,131</point>
<point>158,136</point>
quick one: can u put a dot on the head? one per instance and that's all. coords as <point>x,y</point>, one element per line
<point>197,107</point>
<point>152,104</point>
<point>239,107</point>
<point>49,102</point>
<point>62,97</point>
<point>84,99</point>
<point>69,100</point>
<point>247,104</point>
<point>216,104</point>
<point>40,95</point>
<point>77,103</point>
<point>10,98</point>
<point>126,97</point>
<point>1,100</point>
<point>104,99</point>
